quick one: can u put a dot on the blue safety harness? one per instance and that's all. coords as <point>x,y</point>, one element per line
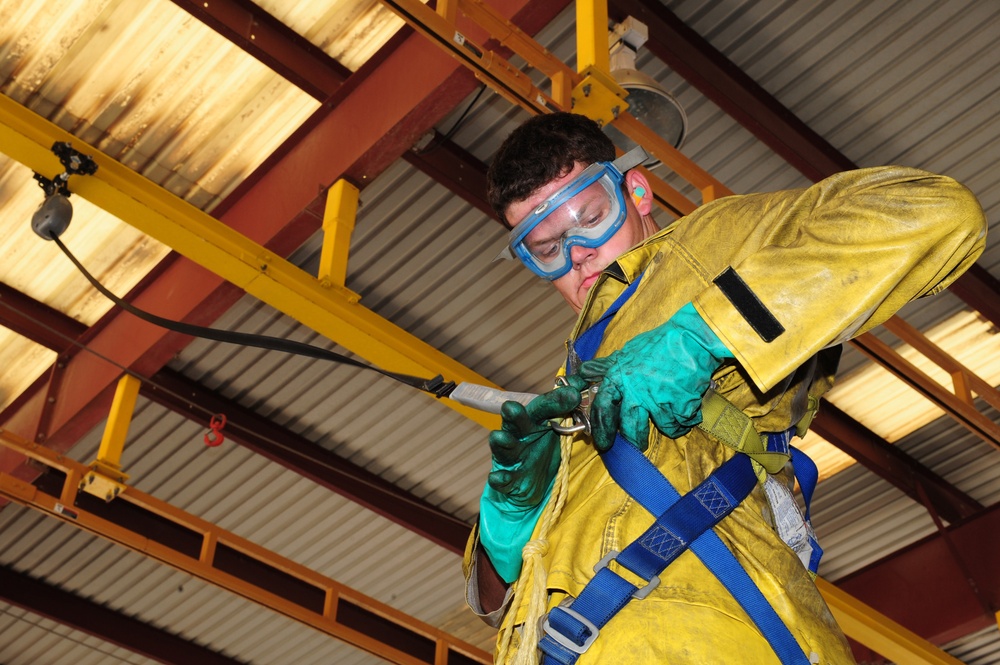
<point>682,522</point>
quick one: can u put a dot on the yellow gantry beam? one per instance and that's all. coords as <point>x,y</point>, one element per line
<point>324,306</point>
<point>592,35</point>
<point>292,589</point>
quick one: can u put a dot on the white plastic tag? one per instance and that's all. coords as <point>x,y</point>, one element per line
<point>788,520</point>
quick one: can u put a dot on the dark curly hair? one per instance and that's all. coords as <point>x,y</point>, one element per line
<point>544,148</point>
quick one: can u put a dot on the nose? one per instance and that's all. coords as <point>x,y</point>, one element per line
<point>579,254</point>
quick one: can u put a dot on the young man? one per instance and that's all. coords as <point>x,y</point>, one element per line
<point>714,335</point>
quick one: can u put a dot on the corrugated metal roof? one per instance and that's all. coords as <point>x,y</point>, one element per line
<point>348,30</point>
<point>153,87</point>
<point>908,82</point>
<point>979,648</point>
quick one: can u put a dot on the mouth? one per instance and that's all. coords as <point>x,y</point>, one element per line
<point>589,281</point>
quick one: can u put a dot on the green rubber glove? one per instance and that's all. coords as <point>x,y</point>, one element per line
<point>525,460</point>
<point>659,375</point>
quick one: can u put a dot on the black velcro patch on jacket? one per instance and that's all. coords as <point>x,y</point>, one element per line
<point>748,305</point>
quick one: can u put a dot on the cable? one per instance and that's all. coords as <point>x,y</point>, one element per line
<point>458,123</point>
<point>440,139</point>
<point>231,424</point>
<point>436,386</point>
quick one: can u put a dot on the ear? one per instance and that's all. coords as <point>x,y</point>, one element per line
<point>639,191</point>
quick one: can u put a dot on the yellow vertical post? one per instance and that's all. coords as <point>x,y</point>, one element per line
<point>592,35</point>
<point>338,225</point>
<point>105,478</point>
<point>597,96</point>
<point>448,9</point>
<point>562,91</point>
<point>122,407</point>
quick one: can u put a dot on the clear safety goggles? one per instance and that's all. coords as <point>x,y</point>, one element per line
<point>587,211</point>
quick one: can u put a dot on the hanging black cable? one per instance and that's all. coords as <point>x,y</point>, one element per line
<point>440,139</point>
<point>436,386</point>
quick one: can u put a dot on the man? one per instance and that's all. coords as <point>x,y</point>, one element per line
<point>716,334</point>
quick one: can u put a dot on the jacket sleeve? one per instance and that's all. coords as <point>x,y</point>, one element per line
<point>472,563</point>
<point>830,262</point>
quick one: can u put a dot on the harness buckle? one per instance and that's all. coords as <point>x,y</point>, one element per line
<point>565,641</point>
<point>639,594</point>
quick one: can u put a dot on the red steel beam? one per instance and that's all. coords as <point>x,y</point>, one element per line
<point>272,42</point>
<point>37,321</point>
<point>456,169</point>
<point>312,70</point>
<point>980,290</point>
<point>124,631</point>
<point>924,588</point>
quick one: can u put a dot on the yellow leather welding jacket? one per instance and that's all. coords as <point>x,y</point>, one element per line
<point>825,263</point>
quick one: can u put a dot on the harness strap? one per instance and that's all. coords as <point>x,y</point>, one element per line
<point>569,630</point>
<point>731,426</point>
<point>683,522</point>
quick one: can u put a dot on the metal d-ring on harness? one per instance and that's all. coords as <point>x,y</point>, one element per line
<point>682,522</point>
<point>580,415</point>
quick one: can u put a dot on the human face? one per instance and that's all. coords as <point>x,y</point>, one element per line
<point>588,262</point>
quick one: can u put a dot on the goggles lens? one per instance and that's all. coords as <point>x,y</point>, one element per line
<point>587,212</point>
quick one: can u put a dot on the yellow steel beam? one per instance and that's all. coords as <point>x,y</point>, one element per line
<point>106,479</point>
<point>338,225</point>
<point>880,633</point>
<point>592,36</point>
<point>109,453</point>
<point>598,95</point>
<point>317,598</point>
<point>329,309</point>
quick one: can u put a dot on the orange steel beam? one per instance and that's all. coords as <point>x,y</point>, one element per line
<point>217,556</point>
<point>958,404</point>
<point>515,86</point>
